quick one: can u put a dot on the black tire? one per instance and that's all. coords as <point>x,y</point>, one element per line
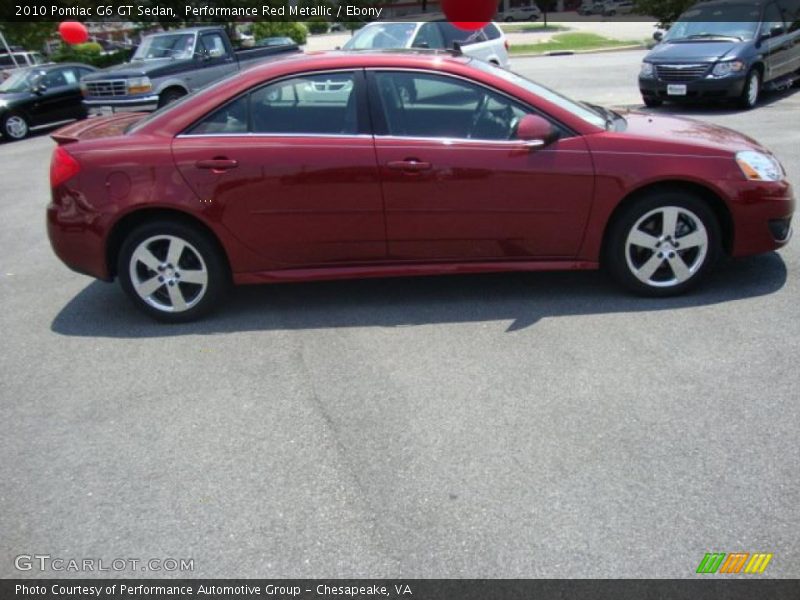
<point>15,127</point>
<point>629,263</point>
<point>749,97</point>
<point>169,96</point>
<point>651,102</point>
<point>200,255</point>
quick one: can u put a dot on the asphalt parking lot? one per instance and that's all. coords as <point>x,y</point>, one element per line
<point>515,425</point>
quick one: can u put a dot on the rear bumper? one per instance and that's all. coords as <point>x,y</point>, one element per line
<point>700,89</point>
<point>76,234</point>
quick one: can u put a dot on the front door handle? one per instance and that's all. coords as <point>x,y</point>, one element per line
<point>411,165</point>
<point>217,165</point>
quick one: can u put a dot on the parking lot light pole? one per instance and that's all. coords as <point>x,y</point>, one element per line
<point>5,45</point>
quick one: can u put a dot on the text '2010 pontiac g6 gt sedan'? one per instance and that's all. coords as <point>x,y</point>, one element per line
<point>320,167</point>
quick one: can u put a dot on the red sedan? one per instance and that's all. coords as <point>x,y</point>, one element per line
<point>344,165</point>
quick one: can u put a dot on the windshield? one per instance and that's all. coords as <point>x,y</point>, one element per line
<point>581,111</point>
<point>175,45</point>
<point>382,35</point>
<point>704,22</point>
<point>21,81</point>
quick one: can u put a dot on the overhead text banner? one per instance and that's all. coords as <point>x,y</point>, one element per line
<point>355,11</point>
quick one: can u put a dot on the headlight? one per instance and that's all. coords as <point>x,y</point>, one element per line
<point>139,85</point>
<point>84,89</point>
<point>646,70</point>
<point>757,166</point>
<point>726,68</point>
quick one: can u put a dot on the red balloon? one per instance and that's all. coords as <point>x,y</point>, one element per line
<point>73,32</point>
<point>469,14</point>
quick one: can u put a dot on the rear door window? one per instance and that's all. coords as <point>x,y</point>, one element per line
<point>310,104</point>
<point>453,34</point>
<point>318,104</point>
<point>772,18</point>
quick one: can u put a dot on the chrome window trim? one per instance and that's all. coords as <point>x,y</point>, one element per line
<point>251,135</point>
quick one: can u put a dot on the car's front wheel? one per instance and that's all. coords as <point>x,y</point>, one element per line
<point>15,127</point>
<point>172,271</point>
<point>752,90</point>
<point>169,96</point>
<point>663,244</point>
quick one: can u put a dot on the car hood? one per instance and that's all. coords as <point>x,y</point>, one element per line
<point>682,130</point>
<point>140,68</point>
<point>702,51</point>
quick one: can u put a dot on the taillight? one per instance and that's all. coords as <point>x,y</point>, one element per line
<point>507,45</point>
<point>63,167</point>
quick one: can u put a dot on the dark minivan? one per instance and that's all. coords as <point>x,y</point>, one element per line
<point>725,49</point>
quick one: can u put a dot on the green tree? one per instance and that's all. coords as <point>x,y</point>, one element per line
<point>666,11</point>
<point>30,35</point>
<point>546,6</point>
<point>297,31</point>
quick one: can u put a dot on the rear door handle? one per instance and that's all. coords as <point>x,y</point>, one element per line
<point>218,165</point>
<point>411,165</point>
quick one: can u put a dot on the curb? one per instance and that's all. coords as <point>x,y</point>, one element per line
<point>572,52</point>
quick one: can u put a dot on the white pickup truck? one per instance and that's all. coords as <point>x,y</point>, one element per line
<point>18,60</point>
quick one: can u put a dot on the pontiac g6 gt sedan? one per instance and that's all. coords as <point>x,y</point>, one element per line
<point>317,167</point>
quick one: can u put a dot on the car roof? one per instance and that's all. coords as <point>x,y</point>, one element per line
<point>356,59</point>
<point>712,3</point>
<point>49,66</point>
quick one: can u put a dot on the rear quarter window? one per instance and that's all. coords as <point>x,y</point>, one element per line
<point>492,32</point>
<point>453,34</point>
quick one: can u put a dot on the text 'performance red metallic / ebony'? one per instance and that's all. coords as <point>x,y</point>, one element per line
<point>340,165</point>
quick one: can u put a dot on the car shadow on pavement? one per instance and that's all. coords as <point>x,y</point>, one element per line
<point>700,109</point>
<point>101,309</point>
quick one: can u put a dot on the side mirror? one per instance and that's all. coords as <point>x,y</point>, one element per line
<point>658,35</point>
<point>39,88</point>
<point>536,132</point>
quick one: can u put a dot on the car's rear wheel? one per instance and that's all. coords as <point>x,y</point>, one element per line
<point>172,271</point>
<point>663,244</point>
<point>15,127</point>
<point>752,90</point>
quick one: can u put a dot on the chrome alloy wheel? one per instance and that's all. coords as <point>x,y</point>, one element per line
<point>168,273</point>
<point>16,127</point>
<point>666,246</point>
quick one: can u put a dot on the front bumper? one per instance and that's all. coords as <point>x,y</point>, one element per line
<point>761,213</point>
<point>717,88</point>
<point>149,102</point>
